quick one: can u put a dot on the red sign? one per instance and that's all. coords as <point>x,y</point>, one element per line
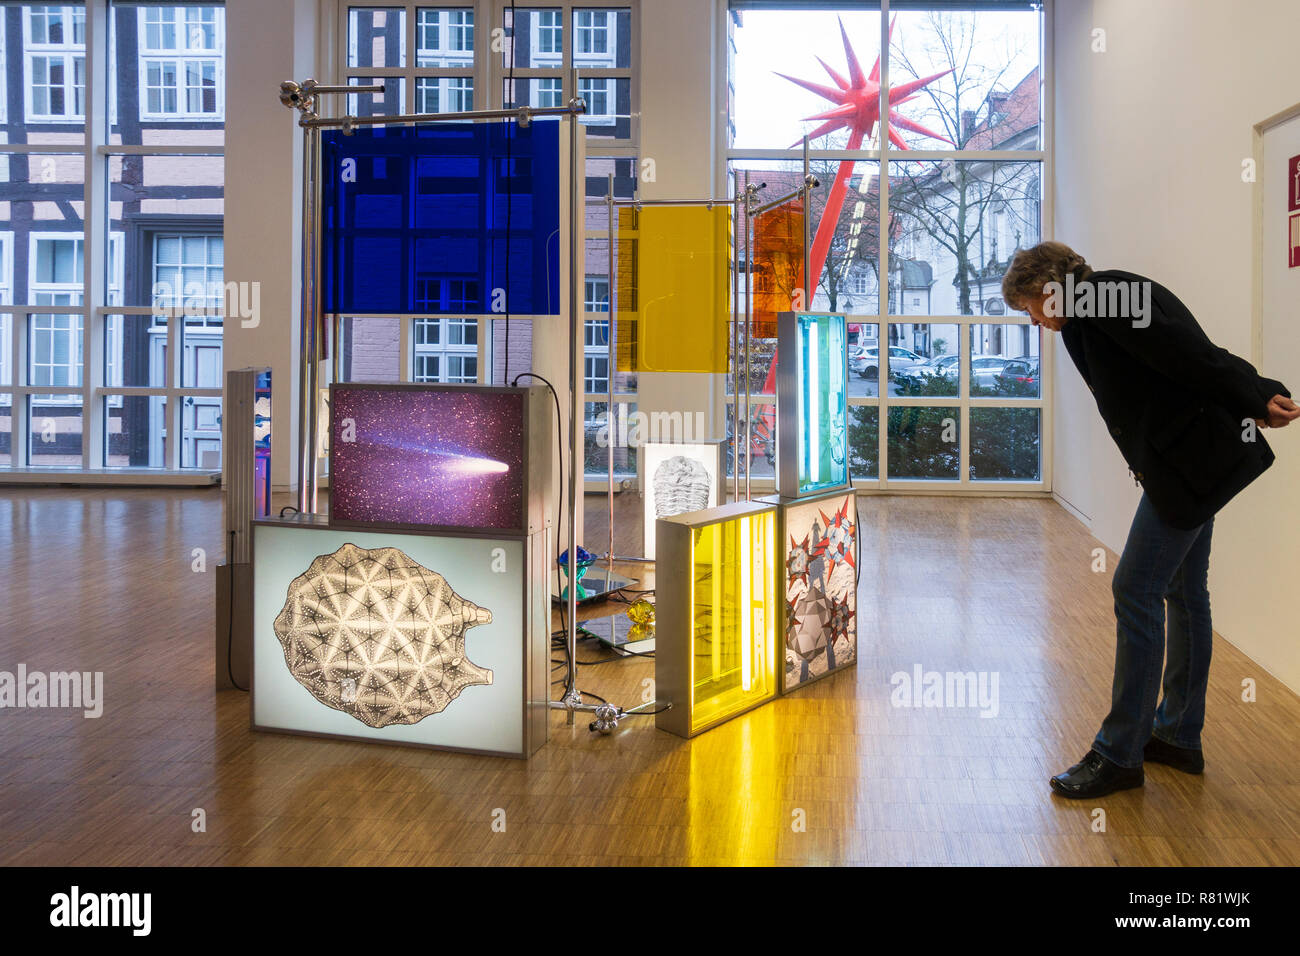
<point>1293,238</point>
<point>1293,183</point>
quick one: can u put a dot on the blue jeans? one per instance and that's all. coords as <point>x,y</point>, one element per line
<point>1161,564</point>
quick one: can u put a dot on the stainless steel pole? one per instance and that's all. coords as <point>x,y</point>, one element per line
<point>748,350</point>
<point>572,697</point>
<point>609,371</point>
<point>312,292</point>
<point>807,229</point>
<point>735,353</point>
<point>306,392</point>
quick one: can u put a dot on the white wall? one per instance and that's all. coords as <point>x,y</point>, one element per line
<point>1149,142</point>
<point>271,41</point>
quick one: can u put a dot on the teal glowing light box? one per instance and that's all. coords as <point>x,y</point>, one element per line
<point>812,403</point>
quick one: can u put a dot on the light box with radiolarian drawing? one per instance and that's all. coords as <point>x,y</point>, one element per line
<point>463,458</point>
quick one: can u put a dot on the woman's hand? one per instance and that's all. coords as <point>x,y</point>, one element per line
<point>1281,412</point>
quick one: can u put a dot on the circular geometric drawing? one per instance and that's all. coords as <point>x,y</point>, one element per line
<point>377,636</point>
<point>681,485</point>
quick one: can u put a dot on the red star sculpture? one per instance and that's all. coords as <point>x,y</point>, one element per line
<point>857,108</point>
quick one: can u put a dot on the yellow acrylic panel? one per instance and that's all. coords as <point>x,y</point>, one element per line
<point>734,611</point>
<point>673,288</point>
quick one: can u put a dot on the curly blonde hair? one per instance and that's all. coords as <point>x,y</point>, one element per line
<point>1031,269</point>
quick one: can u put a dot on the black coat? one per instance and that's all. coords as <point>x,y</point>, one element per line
<point>1178,406</point>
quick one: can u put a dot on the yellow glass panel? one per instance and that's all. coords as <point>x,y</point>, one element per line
<point>733,604</point>
<point>673,288</point>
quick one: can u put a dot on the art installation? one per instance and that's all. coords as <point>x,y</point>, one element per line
<point>437,456</point>
<point>674,288</point>
<point>716,615</point>
<point>374,634</point>
<point>812,404</point>
<point>820,585</point>
<point>418,219</point>
<point>681,478</point>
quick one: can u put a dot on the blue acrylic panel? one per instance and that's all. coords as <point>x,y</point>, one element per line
<point>419,219</point>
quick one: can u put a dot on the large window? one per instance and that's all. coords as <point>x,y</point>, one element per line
<point>946,384</point>
<point>113,309</point>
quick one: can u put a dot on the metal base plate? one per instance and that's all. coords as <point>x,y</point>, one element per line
<point>614,631</point>
<point>597,583</point>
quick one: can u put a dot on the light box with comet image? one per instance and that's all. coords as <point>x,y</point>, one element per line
<point>716,613</point>
<point>423,639</point>
<point>818,578</point>
<point>680,477</point>
<point>812,403</point>
<point>462,458</point>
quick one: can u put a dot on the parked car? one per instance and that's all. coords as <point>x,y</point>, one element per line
<point>914,379</point>
<point>1018,377</point>
<point>866,361</point>
<point>984,370</point>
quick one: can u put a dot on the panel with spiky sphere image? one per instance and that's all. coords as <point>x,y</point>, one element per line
<point>820,585</point>
<point>374,634</point>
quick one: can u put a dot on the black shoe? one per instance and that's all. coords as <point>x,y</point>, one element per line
<point>1095,776</point>
<point>1180,758</point>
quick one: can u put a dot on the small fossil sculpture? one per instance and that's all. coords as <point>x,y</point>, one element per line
<point>681,485</point>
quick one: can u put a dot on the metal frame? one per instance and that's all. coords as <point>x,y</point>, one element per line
<point>536,669</point>
<point>302,97</point>
<point>962,485</point>
<point>739,202</point>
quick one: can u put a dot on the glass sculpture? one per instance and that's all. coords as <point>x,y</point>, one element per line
<point>716,615</point>
<point>812,404</point>
<point>444,456</point>
<point>819,581</point>
<point>374,634</point>
<point>419,219</point>
<point>673,289</point>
